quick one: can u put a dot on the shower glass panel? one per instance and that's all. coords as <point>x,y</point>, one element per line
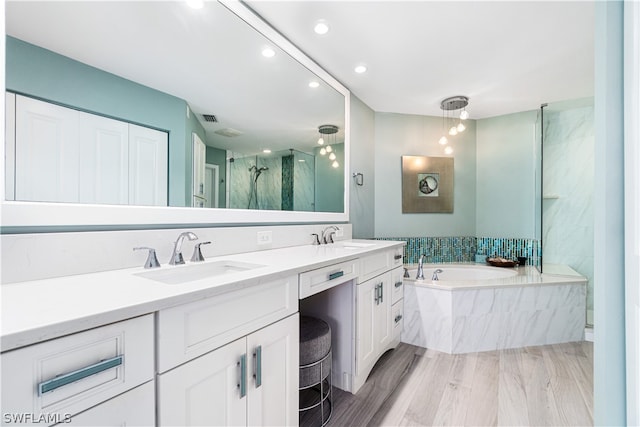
<point>567,188</point>
<point>283,180</point>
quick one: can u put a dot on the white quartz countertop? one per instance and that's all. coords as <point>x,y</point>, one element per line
<point>44,309</point>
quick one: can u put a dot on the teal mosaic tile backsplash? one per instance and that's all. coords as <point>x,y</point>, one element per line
<point>467,249</point>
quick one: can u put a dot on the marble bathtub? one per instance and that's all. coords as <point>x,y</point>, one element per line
<point>522,309</point>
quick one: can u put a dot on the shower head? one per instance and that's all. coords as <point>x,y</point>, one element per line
<point>263,168</point>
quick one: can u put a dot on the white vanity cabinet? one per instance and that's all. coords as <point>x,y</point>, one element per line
<point>379,295</point>
<point>68,375</point>
<point>231,359</point>
<point>251,381</point>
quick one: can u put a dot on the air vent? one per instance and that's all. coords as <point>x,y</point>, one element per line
<point>210,118</point>
<point>228,132</point>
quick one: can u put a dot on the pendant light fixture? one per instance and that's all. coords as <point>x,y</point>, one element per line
<point>449,106</point>
<point>328,135</point>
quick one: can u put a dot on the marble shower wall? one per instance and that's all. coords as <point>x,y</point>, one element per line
<point>304,182</point>
<point>568,180</point>
<point>268,185</point>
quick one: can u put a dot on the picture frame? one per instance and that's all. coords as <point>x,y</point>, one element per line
<point>427,184</point>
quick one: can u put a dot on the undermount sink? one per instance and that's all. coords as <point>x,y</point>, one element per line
<point>192,272</point>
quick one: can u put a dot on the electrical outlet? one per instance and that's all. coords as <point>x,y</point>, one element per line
<point>339,232</point>
<point>264,237</point>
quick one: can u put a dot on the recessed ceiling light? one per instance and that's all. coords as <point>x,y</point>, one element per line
<point>448,150</point>
<point>321,27</point>
<point>268,52</point>
<point>195,4</point>
<point>314,84</point>
<point>266,151</point>
<point>360,69</point>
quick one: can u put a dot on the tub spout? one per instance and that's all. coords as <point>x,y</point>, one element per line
<point>420,273</point>
<point>435,274</point>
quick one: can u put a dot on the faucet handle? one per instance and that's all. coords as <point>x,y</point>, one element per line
<point>316,239</point>
<point>197,253</point>
<point>152,259</point>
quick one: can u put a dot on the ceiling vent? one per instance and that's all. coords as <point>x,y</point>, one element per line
<point>229,132</point>
<point>210,118</point>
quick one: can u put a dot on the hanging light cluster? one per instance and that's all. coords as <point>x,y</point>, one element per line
<point>329,132</point>
<point>450,116</point>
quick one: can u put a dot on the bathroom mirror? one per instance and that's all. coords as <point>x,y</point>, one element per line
<point>243,123</point>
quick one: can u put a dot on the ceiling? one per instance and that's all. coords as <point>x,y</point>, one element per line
<point>506,56</point>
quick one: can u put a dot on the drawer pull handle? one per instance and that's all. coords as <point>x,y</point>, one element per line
<point>258,368</point>
<point>336,275</point>
<point>397,257</point>
<point>243,376</point>
<point>62,380</point>
<point>381,292</point>
<point>398,318</point>
<point>398,284</point>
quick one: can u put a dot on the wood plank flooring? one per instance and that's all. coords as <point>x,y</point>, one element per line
<point>549,385</point>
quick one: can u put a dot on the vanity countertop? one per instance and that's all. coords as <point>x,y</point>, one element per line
<point>39,310</point>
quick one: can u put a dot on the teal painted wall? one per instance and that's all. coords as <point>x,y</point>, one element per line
<point>330,181</point>
<point>505,175</point>
<point>609,293</point>
<point>75,84</point>
<point>398,135</point>
<point>216,156</point>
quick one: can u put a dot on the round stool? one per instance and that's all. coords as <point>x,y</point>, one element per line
<point>315,372</point>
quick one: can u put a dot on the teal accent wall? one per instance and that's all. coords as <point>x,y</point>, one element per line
<point>32,70</point>
<point>609,255</point>
<point>216,156</point>
<point>505,175</point>
<point>330,181</point>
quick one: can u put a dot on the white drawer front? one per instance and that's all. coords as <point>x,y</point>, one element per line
<point>70,374</point>
<point>397,313</point>
<point>374,265</point>
<point>397,288</point>
<point>190,330</point>
<point>314,281</point>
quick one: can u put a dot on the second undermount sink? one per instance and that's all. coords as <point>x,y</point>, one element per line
<point>192,272</point>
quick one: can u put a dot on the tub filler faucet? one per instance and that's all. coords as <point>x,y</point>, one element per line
<point>420,273</point>
<point>435,274</point>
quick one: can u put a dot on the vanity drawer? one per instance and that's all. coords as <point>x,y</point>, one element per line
<point>68,375</point>
<point>397,288</point>
<point>378,263</point>
<point>397,314</point>
<point>191,330</point>
<point>315,281</point>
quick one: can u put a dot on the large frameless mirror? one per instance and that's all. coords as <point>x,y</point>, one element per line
<point>150,104</point>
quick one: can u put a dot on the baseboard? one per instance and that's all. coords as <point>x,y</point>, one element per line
<point>588,334</point>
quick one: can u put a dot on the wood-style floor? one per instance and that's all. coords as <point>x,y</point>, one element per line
<point>549,385</point>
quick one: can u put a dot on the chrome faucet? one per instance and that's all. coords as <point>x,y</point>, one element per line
<point>420,274</point>
<point>435,274</point>
<point>176,256</point>
<point>327,234</point>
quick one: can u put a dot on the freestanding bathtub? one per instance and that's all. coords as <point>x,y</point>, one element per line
<point>473,308</point>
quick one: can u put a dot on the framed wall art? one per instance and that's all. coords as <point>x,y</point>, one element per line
<point>427,184</point>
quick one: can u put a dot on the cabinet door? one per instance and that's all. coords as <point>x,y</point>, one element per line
<point>366,300</point>
<point>383,322</point>
<point>104,160</point>
<point>47,152</point>
<point>148,166</point>
<point>273,374</point>
<point>205,391</point>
